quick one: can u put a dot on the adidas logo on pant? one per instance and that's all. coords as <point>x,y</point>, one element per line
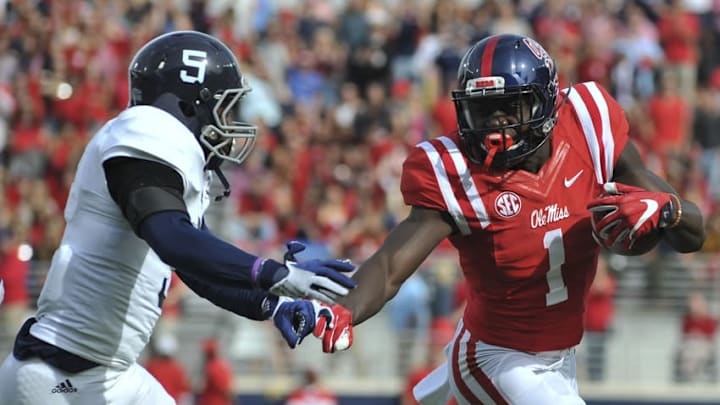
<point>64,387</point>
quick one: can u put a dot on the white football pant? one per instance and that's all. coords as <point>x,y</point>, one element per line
<point>34,382</point>
<point>479,373</point>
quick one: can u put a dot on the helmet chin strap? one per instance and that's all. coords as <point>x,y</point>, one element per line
<point>224,182</point>
<point>494,142</point>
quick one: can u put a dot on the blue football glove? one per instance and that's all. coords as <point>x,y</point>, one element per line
<point>296,319</point>
<point>318,279</point>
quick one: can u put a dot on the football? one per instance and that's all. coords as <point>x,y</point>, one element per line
<point>642,245</point>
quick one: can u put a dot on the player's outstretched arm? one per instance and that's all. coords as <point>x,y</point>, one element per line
<point>294,319</point>
<point>150,197</point>
<point>683,227</point>
<point>381,276</point>
<point>402,252</point>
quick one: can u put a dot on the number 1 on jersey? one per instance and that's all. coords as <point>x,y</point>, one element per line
<point>558,292</point>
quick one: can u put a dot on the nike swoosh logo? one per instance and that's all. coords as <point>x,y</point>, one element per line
<point>572,180</point>
<point>652,207</point>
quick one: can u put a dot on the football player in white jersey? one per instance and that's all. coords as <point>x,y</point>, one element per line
<point>134,214</point>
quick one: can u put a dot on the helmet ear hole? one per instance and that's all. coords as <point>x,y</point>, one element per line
<point>186,108</point>
<point>205,94</point>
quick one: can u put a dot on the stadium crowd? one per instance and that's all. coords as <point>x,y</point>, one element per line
<point>341,90</point>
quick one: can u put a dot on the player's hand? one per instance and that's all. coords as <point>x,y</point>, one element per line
<point>295,319</point>
<point>317,279</point>
<point>625,213</point>
<point>334,327</point>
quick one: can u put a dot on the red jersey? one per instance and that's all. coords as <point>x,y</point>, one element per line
<point>171,375</point>
<point>524,240</point>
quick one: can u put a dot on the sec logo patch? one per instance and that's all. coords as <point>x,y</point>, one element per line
<point>507,204</point>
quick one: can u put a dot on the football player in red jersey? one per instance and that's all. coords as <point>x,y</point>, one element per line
<point>512,192</point>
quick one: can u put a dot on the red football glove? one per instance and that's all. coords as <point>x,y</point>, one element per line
<point>625,213</point>
<point>334,326</point>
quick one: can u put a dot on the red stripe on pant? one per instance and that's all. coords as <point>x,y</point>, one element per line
<point>476,373</point>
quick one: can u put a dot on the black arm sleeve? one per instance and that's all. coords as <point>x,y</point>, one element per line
<point>142,187</point>
<point>150,196</point>
<point>180,245</point>
<point>252,304</point>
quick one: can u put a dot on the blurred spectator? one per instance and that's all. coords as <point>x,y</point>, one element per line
<point>311,392</point>
<point>410,317</point>
<point>595,65</point>
<point>217,386</point>
<point>260,104</point>
<point>169,372</point>
<point>375,115</point>
<point>671,115</point>
<point>555,22</point>
<point>638,54</point>
<point>706,122</point>
<point>507,21</point>
<point>15,255</point>
<point>712,230</point>
<point>274,52</point>
<point>7,109</point>
<point>354,28</point>
<point>599,314</point>
<point>443,114</point>
<point>307,85</point>
<point>404,41</point>
<point>695,357</point>
<point>679,35</point>
<point>344,113</point>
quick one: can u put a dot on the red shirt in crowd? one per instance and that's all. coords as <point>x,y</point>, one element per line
<point>669,114</point>
<point>218,378</point>
<point>700,325</point>
<point>600,308</point>
<point>679,34</point>
<point>171,375</point>
<point>14,272</point>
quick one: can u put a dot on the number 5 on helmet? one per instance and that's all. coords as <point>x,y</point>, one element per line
<point>334,327</point>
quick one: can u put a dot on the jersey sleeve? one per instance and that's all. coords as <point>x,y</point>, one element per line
<point>604,126</point>
<point>418,183</point>
<point>148,133</point>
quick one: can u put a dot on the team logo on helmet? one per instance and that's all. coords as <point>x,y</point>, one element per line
<point>538,51</point>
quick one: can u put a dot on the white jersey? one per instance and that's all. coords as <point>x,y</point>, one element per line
<point>102,296</point>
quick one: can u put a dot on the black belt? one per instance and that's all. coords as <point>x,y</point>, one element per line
<point>28,346</point>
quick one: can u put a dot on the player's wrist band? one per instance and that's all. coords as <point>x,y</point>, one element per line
<point>255,271</point>
<point>678,211</point>
<point>266,272</point>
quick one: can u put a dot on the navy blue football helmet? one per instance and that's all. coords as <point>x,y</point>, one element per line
<point>506,101</point>
<point>202,77</point>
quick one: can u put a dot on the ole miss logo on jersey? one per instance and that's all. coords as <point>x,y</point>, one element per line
<point>507,204</point>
